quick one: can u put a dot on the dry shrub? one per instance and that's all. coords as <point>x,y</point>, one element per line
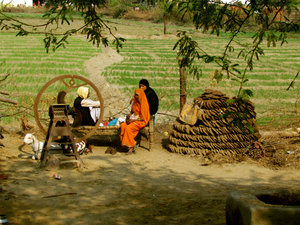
<point>41,9</point>
<point>151,15</point>
<point>278,159</point>
<point>119,12</point>
<point>219,158</point>
<point>105,11</point>
<point>23,9</point>
<point>281,152</point>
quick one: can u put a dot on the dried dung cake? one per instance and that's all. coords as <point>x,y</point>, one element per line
<point>212,133</point>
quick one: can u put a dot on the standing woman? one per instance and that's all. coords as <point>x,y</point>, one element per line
<point>136,120</point>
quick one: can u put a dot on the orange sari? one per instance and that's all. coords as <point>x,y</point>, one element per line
<point>141,108</point>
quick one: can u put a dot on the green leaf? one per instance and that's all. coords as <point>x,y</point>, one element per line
<point>217,75</point>
<point>246,80</point>
<point>231,49</point>
<point>246,93</point>
<point>235,79</point>
<point>250,128</point>
<point>230,101</point>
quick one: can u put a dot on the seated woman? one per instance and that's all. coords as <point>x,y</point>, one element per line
<point>136,120</point>
<point>151,96</point>
<point>88,108</point>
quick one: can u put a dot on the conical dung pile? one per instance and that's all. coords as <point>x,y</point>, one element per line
<point>213,133</point>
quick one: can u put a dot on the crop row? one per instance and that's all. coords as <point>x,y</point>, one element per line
<point>31,67</point>
<point>156,61</point>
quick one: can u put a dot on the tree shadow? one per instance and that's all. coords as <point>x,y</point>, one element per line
<point>119,190</point>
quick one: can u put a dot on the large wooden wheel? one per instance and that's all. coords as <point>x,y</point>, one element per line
<point>67,84</point>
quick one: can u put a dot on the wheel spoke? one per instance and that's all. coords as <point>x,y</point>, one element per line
<point>43,101</point>
<point>71,84</point>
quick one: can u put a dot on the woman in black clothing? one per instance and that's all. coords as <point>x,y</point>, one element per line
<point>151,96</point>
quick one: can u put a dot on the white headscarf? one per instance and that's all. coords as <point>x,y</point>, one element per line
<point>83,92</point>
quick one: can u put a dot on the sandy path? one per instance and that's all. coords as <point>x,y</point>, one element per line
<point>114,100</point>
<point>144,188</point>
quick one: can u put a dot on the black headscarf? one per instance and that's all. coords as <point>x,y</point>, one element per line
<point>144,82</point>
<point>151,97</point>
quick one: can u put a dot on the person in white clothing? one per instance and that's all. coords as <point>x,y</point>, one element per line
<point>89,109</point>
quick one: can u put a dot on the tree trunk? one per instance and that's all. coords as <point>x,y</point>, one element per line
<point>183,94</point>
<point>165,24</point>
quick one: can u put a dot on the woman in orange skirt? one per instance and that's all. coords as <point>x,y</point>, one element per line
<point>136,120</point>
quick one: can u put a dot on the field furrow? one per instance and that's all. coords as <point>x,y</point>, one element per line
<point>154,59</point>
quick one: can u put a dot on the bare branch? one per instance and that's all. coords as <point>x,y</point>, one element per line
<point>8,18</point>
<point>5,77</point>
<point>293,82</point>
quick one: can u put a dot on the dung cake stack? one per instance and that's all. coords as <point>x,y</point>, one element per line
<point>213,133</point>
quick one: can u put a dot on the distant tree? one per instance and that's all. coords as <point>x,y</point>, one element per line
<point>215,16</point>
<point>167,7</point>
<point>147,3</point>
<point>62,12</point>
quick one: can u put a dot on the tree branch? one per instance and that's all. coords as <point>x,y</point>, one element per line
<point>293,81</point>
<point>5,77</point>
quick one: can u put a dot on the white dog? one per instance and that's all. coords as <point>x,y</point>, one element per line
<point>37,146</point>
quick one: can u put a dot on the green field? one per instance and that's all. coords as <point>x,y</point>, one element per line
<point>150,56</point>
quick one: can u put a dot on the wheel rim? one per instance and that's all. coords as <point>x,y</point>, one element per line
<point>70,82</point>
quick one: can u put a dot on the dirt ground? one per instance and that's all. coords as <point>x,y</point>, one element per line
<point>156,187</point>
